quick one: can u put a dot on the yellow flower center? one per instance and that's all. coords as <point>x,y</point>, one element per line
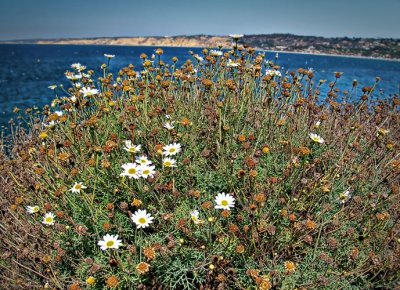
<point>142,220</point>
<point>143,161</point>
<point>146,171</point>
<point>224,202</point>
<point>132,149</point>
<point>167,163</point>
<point>49,219</point>
<point>35,209</point>
<point>110,243</point>
<point>132,171</point>
<point>78,186</point>
<point>172,150</point>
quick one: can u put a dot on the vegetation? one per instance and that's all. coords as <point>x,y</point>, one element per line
<point>225,173</point>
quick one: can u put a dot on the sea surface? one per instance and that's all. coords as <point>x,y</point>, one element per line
<point>26,70</point>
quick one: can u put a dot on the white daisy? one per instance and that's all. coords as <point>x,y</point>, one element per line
<point>215,52</point>
<point>78,85</point>
<point>236,36</point>
<point>109,55</point>
<point>32,209</point>
<point>169,162</point>
<point>142,219</point>
<point>78,66</point>
<point>52,87</point>
<point>168,125</point>
<point>109,242</point>
<point>344,197</point>
<point>88,92</point>
<point>198,57</point>
<point>224,201</point>
<point>48,219</point>
<point>231,63</point>
<point>147,170</point>
<point>172,149</point>
<point>77,187</point>
<point>50,124</point>
<point>143,160</point>
<point>382,131</point>
<point>194,215</point>
<point>316,138</point>
<point>74,77</point>
<point>131,148</point>
<point>131,170</point>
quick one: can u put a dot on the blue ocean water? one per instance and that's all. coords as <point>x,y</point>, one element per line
<point>27,70</point>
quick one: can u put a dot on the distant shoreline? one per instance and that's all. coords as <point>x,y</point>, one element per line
<point>376,48</point>
<point>183,46</point>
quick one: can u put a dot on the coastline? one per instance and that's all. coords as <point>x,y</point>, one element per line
<point>335,55</point>
<point>202,46</point>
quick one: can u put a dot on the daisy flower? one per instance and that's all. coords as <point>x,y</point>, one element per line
<point>32,209</point>
<point>147,170</point>
<point>142,219</point>
<point>382,131</point>
<point>50,124</point>
<point>344,197</point>
<point>143,160</point>
<point>131,148</point>
<point>131,170</point>
<point>52,87</point>
<point>194,215</point>
<point>215,52</point>
<point>88,92</point>
<point>109,55</point>
<point>236,36</point>
<point>168,125</point>
<point>169,162</point>
<point>231,63</point>
<point>316,138</point>
<point>74,77</point>
<point>198,57</point>
<point>224,201</point>
<point>109,242</point>
<point>171,149</point>
<point>77,187</point>
<point>48,219</point>
<point>78,66</point>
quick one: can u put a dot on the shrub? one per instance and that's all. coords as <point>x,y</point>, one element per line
<point>268,184</point>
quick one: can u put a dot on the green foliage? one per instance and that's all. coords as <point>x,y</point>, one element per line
<point>308,213</point>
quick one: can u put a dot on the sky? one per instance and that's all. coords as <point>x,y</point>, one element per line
<point>48,19</point>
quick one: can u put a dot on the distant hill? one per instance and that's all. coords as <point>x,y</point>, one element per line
<point>368,47</point>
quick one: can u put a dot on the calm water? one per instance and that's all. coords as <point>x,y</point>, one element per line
<point>26,71</point>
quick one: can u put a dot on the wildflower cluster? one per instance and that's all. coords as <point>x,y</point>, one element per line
<point>224,173</point>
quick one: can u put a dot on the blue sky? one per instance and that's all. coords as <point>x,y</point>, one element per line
<point>29,19</point>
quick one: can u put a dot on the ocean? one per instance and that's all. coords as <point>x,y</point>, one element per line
<point>26,70</point>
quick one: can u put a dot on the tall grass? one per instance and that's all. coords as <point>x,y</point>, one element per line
<point>300,212</point>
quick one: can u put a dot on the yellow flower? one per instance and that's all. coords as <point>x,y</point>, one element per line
<point>265,150</point>
<point>290,266</point>
<point>142,267</point>
<point>90,280</point>
<point>43,135</point>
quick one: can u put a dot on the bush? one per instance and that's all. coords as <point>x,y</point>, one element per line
<point>273,185</point>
